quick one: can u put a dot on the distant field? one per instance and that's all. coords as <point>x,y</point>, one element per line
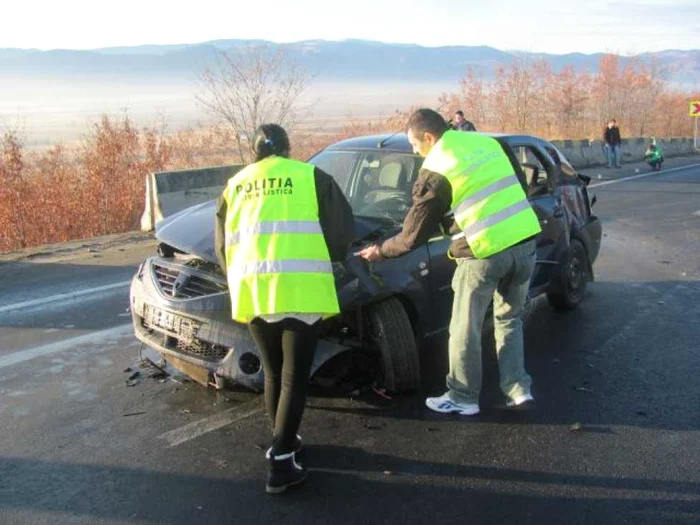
<point>50,111</point>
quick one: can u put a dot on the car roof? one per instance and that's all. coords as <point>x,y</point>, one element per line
<point>398,142</point>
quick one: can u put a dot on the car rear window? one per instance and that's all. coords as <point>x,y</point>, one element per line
<point>568,173</point>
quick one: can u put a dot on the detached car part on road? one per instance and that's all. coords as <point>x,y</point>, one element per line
<point>180,302</point>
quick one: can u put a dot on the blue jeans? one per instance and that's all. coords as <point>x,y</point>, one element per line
<point>613,153</point>
<point>505,279</point>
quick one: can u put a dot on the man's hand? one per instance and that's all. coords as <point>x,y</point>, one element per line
<point>371,253</point>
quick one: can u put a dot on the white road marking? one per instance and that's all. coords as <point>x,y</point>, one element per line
<point>633,177</point>
<point>209,424</point>
<point>93,338</point>
<point>63,296</point>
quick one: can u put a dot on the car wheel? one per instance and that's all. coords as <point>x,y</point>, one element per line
<point>569,284</point>
<point>392,334</point>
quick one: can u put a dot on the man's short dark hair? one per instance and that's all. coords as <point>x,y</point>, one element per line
<point>427,121</point>
<point>460,113</point>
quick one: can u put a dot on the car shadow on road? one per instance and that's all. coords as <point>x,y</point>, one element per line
<point>346,485</point>
<point>626,356</point>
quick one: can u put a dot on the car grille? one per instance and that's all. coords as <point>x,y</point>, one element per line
<point>184,285</point>
<point>181,334</point>
<point>202,349</point>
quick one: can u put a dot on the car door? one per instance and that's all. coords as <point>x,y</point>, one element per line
<point>441,269</point>
<point>545,196</point>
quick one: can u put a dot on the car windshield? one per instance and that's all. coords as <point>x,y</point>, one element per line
<point>377,184</point>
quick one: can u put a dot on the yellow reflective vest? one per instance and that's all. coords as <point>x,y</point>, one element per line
<point>488,202</point>
<point>277,260</point>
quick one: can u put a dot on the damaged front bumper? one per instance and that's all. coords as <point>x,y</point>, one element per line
<point>185,314</point>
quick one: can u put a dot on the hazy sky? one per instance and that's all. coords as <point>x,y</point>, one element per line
<point>534,25</point>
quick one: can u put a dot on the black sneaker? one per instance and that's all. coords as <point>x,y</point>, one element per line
<point>298,449</point>
<point>284,473</point>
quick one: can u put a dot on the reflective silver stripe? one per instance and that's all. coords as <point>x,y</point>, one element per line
<point>273,227</point>
<point>289,266</point>
<point>494,219</point>
<point>489,190</point>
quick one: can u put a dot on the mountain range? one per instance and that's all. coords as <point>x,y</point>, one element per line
<point>348,60</point>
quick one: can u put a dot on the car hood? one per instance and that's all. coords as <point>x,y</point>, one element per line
<point>192,230</point>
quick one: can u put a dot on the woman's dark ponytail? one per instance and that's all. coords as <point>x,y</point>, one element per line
<point>270,139</point>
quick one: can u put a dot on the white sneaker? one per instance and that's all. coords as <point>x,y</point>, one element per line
<point>519,401</point>
<point>445,405</point>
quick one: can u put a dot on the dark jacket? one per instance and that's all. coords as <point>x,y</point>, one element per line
<point>432,199</point>
<point>335,216</point>
<point>465,126</point>
<point>612,136</point>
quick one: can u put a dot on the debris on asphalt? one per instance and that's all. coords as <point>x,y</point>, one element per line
<point>373,427</point>
<point>134,375</point>
<point>186,411</point>
<point>155,371</point>
<point>129,414</point>
<point>432,429</point>
<point>132,382</point>
<point>576,427</point>
<point>665,262</point>
<point>158,373</point>
<point>660,302</point>
<point>641,413</point>
<point>556,361</point>
<point>381,392</point>
<point>583,389</point>
<point>127,370</point>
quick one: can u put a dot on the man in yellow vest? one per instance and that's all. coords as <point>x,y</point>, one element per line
<point>279,224</point>
<point>468,185</point>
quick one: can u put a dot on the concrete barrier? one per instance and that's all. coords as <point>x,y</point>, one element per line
<point>169,192</point>
<point>591,153</point>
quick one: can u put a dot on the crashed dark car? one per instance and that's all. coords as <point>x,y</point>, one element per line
<point>181,307</point>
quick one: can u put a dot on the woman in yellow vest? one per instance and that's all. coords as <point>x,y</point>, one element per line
<point>279,225</point>
<point>468,183</point>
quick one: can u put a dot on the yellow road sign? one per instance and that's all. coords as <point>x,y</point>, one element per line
<point>695,108</point>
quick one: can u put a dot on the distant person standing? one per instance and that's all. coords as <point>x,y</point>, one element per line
<point>654,156</point>
<point>462,124</point>
<point>612,144</point>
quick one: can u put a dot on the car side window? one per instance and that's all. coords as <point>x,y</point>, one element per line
<point>537,176</point>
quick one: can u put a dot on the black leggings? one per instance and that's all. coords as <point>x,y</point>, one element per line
<point>287,349</point>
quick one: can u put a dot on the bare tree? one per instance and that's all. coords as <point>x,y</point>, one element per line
<point>248,87</point>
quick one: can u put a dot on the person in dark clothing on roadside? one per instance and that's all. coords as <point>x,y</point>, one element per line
<point>462,124</point>
<point>612,144</point>
<point>279,225</point>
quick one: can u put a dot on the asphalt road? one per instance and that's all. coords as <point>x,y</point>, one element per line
<point>80,446</point>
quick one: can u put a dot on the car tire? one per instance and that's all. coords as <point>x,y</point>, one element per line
<point>569,283</point>
<point>392,334</point>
